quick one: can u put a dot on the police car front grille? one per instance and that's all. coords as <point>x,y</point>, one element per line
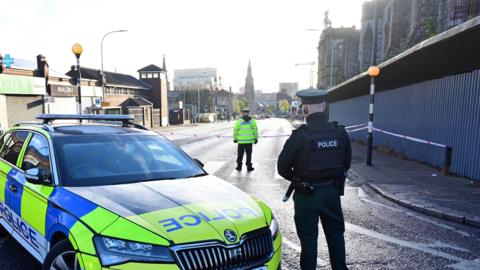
<point>251,252</point>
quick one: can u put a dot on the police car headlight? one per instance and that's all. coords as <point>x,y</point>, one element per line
<point>116,251</point>
<point>274,228</point>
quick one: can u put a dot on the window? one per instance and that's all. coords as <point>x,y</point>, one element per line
<point>112,159</point>
<point>37,155</point>
<point>3,141</point>
<point>12,148</point>
<point>155,75</point>
<point>143,76</point>
<point>149,75</point>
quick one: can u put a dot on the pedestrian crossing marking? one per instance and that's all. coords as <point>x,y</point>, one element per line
<point>290,244</point>
<point>242,173</point>
<point>277,176</point>
<point>213,166</point>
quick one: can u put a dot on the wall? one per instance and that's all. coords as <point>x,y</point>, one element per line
<point>444,110</point>
<point>22,108</point>
<point>3,112</point>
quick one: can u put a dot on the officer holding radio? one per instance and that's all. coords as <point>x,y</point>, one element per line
<point>316,159</point>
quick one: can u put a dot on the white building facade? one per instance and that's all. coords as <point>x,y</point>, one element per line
<point>196,78</point>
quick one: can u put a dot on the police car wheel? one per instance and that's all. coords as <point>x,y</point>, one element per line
<point>61,257</point>
<point>3,232</point>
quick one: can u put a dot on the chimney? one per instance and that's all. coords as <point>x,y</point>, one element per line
<point>42,66</point>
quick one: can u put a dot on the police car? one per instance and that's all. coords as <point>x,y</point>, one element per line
<point>106,196</point>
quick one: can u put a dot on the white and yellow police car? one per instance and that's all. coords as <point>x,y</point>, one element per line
<point>104,196</point>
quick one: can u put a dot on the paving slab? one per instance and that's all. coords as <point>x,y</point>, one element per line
<point>418,186</point>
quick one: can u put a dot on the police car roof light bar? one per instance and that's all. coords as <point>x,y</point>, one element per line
<point>124,118</point>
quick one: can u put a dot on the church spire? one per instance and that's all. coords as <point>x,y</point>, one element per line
<point>249,88</point>
<point>164,64</point>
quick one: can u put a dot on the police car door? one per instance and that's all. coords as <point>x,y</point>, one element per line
<point>35,162</point>
<point>9,157</point>
<point>4,170</point>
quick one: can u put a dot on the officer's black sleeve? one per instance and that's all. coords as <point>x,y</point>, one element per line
<point>348,150</point>
<point>289,153</point>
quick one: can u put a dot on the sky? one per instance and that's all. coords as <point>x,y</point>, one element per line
<point>190,33</point>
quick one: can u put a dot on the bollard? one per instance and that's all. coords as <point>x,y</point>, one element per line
<point>448,160</point>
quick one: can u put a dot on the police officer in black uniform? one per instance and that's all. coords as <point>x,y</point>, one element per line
<point>316,159</point>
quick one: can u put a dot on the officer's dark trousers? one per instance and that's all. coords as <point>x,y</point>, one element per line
<point>324,204</point>
<point>247,148</point>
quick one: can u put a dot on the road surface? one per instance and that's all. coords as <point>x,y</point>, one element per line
<point>379,234</point>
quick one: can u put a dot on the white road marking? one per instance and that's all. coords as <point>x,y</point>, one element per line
<point>242,173</point>
<point>466,265</point>
<point>213,166</point>
<point>413,245</point>
<point>297,248</point>
<point>361,193</point>
<point>255,185</point>
<point>440,244</point>
<point>410,214</point>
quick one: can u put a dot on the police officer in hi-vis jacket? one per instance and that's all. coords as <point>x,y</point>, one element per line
<point>245,134</point>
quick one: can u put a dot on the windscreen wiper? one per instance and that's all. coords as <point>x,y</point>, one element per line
<point>198,175</point>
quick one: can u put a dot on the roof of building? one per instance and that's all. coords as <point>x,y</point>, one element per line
<point>151,68</point>
<point>24,64</point>
<point>451,52</point>
<point>112,78</point>
<point>221,92</point>
<point>136,102</point>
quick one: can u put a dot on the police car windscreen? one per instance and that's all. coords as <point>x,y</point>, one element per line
<point>93,160</point>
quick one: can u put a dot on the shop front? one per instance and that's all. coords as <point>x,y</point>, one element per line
<point>62,99</point>
<point>21,99</point>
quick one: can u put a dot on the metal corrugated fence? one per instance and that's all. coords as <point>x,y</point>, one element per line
<point>445,110</point>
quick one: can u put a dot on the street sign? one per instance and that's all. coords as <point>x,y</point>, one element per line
<point>7,60</point>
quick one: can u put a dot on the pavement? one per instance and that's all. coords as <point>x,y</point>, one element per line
<point>419,187</point>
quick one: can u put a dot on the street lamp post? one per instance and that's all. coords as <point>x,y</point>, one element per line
<point>373,72</point>
<point>101,56</point>
<point>229,103</point>
<point>77,50</point>
<point>198,103</point>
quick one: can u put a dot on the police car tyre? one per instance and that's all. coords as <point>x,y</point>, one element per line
<point>61,257</point>
<point>3,232</point>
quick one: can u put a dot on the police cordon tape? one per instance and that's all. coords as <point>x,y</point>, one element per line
<point>195,135</point>
<point>409,138</point>
<point>448,149</point>
<point>349,130</point>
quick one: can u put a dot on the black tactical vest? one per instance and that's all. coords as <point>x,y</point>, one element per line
<point>322,156</point>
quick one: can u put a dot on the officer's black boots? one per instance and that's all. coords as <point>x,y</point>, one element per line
<point>250,168</point>
<point>238,168</point>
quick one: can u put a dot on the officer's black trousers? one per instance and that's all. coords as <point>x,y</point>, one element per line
<point>324,204</point>
<point>247,148</point>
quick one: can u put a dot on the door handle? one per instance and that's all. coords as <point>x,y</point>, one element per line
<point>13,188</point>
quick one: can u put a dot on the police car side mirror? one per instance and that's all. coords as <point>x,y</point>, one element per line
<point>33,176</point>
<point>36,176</point>
<point>199,162</point>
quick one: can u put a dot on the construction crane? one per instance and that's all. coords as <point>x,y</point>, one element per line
<point>312,66</point>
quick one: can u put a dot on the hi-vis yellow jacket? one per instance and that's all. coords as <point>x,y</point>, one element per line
<point>245,132</point>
